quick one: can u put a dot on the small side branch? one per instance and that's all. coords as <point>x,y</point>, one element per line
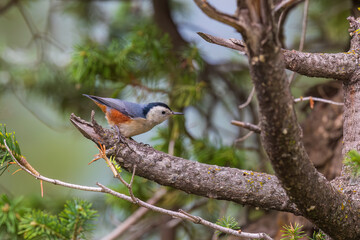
<point>281,6</point>
<point>229,43</point>
<point>246,125</point>
<point>248,100</point>
<point>316,99</point>
<point>213,13</point>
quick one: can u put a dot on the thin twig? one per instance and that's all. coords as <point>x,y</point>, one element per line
<point>249,126</point>
<point>303,34</point>
<point>53,181</point>
<point>286,4</point>
<point>248,100</point>
<point>213,13</point>
<point>194,219</point>
<point>174,222</point>
<point>135,217</point>
<point>316,99</point>
<point>244,137</point>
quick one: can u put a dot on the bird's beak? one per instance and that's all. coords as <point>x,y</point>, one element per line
<point>177,113</point>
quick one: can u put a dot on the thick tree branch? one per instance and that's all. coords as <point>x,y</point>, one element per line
<point>316,198</point>
<point>240,186</point>
<point>340,66</point>
<point>351,96</point>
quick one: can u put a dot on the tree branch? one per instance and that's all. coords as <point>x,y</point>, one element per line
<point>213,13</point>
<point>240,186</point>
<point>180,214</point>
<point>136,216</point>
<point>316,99</point>
<point>281,6</point>
<point>340,66</point>
<point>191,218</point>
<point>281,137</point>
<point>246,125</point>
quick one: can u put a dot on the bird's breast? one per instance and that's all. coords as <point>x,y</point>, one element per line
<point>135,126</point>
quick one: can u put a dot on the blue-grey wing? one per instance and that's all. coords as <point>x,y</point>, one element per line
<point>130,109</point>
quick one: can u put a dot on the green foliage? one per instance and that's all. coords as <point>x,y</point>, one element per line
<point>143,58</point>
<point>318,236</point>
<point>71,223</point>
<point>292,232</point>
<point>228,222</point>
<point>16,220</point>
<point>11,211</point>
<point>352,160</point>
<point>164,137</point>
<point>145,48</point>
<point>13,145</point>
<point>206,151</point>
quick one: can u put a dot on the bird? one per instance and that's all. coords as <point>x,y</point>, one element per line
<point>130,118</point>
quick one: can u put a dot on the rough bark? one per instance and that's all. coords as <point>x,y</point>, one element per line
<point>316,198</point>
<point>223,183</point>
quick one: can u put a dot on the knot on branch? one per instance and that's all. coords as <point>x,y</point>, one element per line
<point>93,131</point>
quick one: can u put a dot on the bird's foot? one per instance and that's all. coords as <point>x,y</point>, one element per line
<point>145,144</point>
<point>122,139</point>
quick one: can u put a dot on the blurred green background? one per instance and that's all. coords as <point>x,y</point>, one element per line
<point>53,51</point>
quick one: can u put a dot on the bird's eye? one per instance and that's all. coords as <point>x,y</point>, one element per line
<point>163,112</point>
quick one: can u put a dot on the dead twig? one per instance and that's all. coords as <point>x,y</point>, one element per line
<point>249,126</point>
<point>248,100</point>
<point>316,99</point>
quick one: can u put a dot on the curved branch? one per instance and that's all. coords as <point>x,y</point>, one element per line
<point>282,5</point>
<point>213,13</point>
<point>240,186</point>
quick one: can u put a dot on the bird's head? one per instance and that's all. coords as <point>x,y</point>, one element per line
<point>158,112</point>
